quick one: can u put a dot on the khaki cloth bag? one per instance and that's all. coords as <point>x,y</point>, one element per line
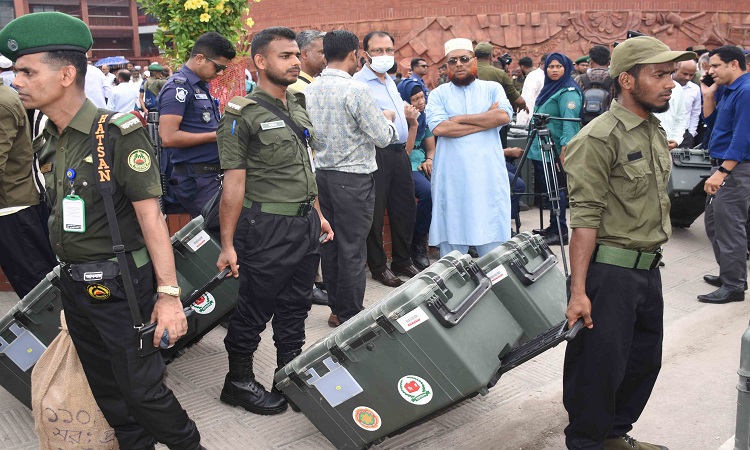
<point>65,412</point>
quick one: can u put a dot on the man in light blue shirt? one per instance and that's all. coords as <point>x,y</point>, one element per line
<point>394,186</point>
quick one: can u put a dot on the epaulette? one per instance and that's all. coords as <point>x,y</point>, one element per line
<point>235,105</point>
<point>179,79</point>
<point>125,122</point>
<point>602,126</point>
<point>571,88</point>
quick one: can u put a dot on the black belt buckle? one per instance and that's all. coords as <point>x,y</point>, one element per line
<point>305,208</point>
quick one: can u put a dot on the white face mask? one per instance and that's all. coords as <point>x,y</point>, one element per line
<point>381,64</point>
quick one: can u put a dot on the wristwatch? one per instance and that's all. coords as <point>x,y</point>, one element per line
<point>174,291</point>
<point>723,169</point>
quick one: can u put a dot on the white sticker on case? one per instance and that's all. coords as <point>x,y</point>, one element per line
<point>198,241</point>
<point>413,318</point>
<point>497,274</point>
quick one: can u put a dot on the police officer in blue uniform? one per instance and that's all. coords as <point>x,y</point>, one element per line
<point>188,119</point>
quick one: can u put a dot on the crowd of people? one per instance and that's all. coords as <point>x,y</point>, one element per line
<point>325,143</point>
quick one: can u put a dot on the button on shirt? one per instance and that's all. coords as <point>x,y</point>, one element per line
<point>186,95</point>
<point>387,96</point>
<point>729,121</point>
<point>618,167</point>
<point>348,123</point>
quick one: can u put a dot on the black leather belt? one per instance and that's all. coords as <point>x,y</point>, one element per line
<point>198,169</point>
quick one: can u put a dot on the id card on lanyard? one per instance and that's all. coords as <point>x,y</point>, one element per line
<point>73,208</point>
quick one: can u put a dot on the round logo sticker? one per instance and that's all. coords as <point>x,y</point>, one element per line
<point>98,291</point>
<point>571,105</point>
<point>415,390</point>
<point>366,418</point>
<point>205,304</point>
<point>139,160</point>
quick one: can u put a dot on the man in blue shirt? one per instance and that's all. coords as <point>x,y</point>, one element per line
<point>394,186</point>
<point>188,119</point>
<point>419,70</point>
<point>727,188</point>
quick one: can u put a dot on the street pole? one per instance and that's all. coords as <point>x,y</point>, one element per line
<point>742,427</point>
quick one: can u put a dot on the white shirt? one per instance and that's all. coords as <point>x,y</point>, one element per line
<point>123,98</point>
<point>692,96</point>
<point>97,88</point>
<point>111,77</point>
<point>674,120</point>
<point>532,85</point>
<point>8,76</point>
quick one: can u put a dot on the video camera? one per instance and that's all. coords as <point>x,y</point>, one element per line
<point>505,60</point>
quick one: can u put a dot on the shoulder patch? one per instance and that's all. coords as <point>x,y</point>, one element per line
<point>236,105</point>
<point>126,122</point>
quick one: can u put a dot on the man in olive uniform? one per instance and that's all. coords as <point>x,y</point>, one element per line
<point>154,84</point>
<point>618,167</point>
<point>270,221</point>
<point>128,389</point>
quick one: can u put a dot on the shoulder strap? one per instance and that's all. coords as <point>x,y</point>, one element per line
<point>101,152</point>
<point>274,110</point>
<point>585,81</point>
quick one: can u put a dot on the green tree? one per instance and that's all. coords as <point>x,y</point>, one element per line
<point>181,22</point>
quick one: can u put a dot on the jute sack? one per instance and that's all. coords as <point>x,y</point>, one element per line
<point>65,412</point>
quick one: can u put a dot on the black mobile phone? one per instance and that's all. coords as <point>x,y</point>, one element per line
<point>707,79</point>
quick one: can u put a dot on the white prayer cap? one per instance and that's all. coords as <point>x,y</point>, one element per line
<point>137,67</point>
<point>458,44</point>
<point>5,63</point>
<point>146,73</point>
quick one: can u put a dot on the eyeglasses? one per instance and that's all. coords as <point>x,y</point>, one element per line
<point>217,66</point>
<point>463,59</point>
<point>381,51</point>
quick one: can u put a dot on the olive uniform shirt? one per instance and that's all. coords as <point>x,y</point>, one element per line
<point>618,167</point>
<point>485,71</point>
<point>277,163</point>
<point>135,172</point>
<point>16,156</point>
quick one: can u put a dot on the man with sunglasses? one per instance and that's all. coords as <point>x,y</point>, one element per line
<point>470,187</point>
<point>188,119</point>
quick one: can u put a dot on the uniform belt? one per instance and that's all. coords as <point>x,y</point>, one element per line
<point>715,162</point>
<point>629,259</point>
<point>140,258</point>
<point>297,209</point>
<point>198,169</point>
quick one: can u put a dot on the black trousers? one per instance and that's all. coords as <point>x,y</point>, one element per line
<point>129,389</point>
<point>347,201</point>
<point>25,252</point>
<point>611,369</point>
<point>394,191</point>
<point>278,258</point>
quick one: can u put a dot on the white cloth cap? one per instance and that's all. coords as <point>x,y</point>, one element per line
<point>458,44</point>
<point>137,67</point>
<point>5,63</point>
<point>146,73</point>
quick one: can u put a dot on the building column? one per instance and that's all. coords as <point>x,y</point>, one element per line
<point>20,7</point>
<point>136,35</point>
<point>85,12</point>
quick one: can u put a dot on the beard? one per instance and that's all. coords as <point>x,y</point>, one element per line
<point>464,80</point>
<point>280,78</point>
<point>638,95</point>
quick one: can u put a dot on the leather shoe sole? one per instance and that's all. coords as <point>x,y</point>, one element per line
<point>715,280</point>
<point>388,278</point>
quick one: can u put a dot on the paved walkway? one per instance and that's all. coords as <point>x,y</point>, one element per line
<point>692,408</point>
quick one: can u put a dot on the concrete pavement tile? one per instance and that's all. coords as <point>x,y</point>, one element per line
<point>17,428</point>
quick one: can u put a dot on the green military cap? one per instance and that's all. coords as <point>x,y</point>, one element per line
<point>643,50</point>
<point>155,67</point>
<point>483,47</point>
<point>583,59</point>
<point>44,32</point>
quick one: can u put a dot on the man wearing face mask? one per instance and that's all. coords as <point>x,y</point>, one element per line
<point>394,186</point>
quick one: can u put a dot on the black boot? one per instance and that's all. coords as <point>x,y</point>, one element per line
<point>419,252</point>
<point>241,389</point>
<point>282,359</point>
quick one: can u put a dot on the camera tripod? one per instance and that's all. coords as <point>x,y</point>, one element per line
<point>551,166</point>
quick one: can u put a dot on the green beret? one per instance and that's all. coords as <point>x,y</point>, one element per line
<point>155,67</point>
<point>484,48</point>
<point>583,59</point>
<point>44,32</point>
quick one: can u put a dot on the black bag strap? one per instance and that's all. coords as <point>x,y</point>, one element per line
<point>107,188</point>
<point>274,110</point>
<point>586,81</point>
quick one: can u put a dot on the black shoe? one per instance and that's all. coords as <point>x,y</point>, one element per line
<point>321,285</point>
<point>715,280</point>
<point>282,360</point>
<point>473,252</point>
<point>319,297</point>
<point>722,295</point>
<point>553,238</point>
<point>543,231</point>
<point>241,389</point>
<point>406,271</point>
<point>388,278</point>
<point>419,252</point>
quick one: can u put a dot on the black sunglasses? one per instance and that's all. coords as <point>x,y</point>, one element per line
<point>217,66</point>
<point>463,59</point>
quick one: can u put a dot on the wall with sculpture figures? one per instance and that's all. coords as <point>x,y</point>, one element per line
<point>528,28</point>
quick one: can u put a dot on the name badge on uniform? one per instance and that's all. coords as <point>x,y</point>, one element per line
<point>74,214</point>
<point>272,125</point>
<point>206,116</point>
<point>201,97</point>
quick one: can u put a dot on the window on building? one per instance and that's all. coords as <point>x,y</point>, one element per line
<point>7,12</point>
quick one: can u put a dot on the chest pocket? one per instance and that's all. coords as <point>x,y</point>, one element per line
<point>637,176</point>
<point>277,146</point>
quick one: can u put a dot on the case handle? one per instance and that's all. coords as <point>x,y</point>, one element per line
<point>449,318</point>
<point>529,277</point>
